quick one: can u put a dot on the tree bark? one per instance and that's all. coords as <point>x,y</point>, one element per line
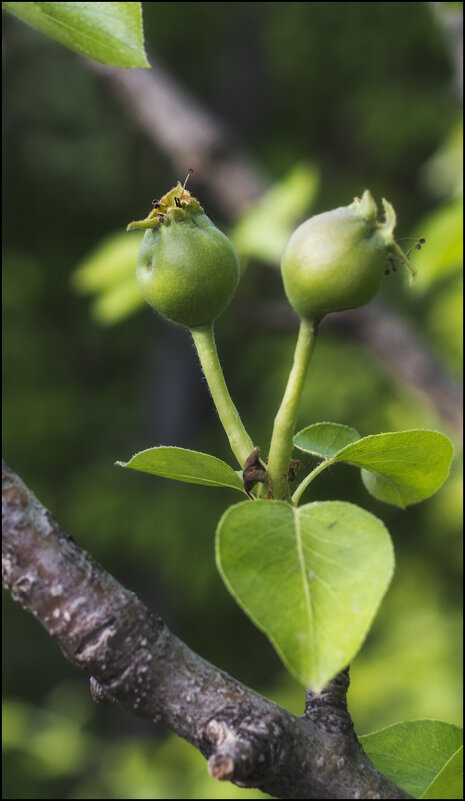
<point>135,661</point>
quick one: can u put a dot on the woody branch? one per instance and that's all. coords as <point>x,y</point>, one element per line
<point>135,661</point>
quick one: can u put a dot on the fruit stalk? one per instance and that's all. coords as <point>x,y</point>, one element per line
<point>204,341</point>
<point>285,420</point>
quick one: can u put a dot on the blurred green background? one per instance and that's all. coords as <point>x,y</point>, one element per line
<point>325,99</point>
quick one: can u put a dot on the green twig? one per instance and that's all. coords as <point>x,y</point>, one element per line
<point>204,341</point>
<point>284,424</point>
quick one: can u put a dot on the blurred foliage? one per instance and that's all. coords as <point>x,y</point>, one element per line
<point>363,93</point>
<point>263,230</point>
<point>108,272</point>
<point>53,745</point>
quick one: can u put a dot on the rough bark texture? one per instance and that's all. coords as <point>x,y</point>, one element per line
<point>134,660</point>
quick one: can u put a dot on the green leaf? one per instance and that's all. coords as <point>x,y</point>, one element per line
<point>107,32</point>
<point>403,467</point>
<point>184,465</point>
<point>449,782</point>
<point>325,439</point>
<point>414,752</point>
<point>311,578</point>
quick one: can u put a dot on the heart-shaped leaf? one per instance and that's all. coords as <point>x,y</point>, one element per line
<point>325,439</point>
<point>402,467</point>
<point>185,465</point>
<point>108,32</point>
<point>311,578</point>
<point>413,753</point>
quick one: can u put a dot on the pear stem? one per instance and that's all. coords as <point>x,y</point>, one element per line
<point>239,440</point>
<point>285,420</point>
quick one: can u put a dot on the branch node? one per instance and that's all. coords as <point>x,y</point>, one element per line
<point>221,767</point>
<point>238,751</point>
<point>99,694</point>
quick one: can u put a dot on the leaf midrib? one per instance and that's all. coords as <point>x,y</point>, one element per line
<point>306,588</point>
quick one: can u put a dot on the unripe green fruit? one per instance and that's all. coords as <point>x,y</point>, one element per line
<point>336,260</point>
<point>187,269</point>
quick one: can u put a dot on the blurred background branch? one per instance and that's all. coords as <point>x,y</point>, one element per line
<point>190,135</point>
<point>451,19</point>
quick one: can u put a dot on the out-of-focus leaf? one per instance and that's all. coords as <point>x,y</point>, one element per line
<point>112,261</point>
<point>442,253</point>
<point>444,170</point>
<point>311,578</point>
<point>108,32</point>
<point>109,272</point>
<point>445,321</point>
<point>118,303</point>
<point>414,752</point>
<point>264,228</point>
